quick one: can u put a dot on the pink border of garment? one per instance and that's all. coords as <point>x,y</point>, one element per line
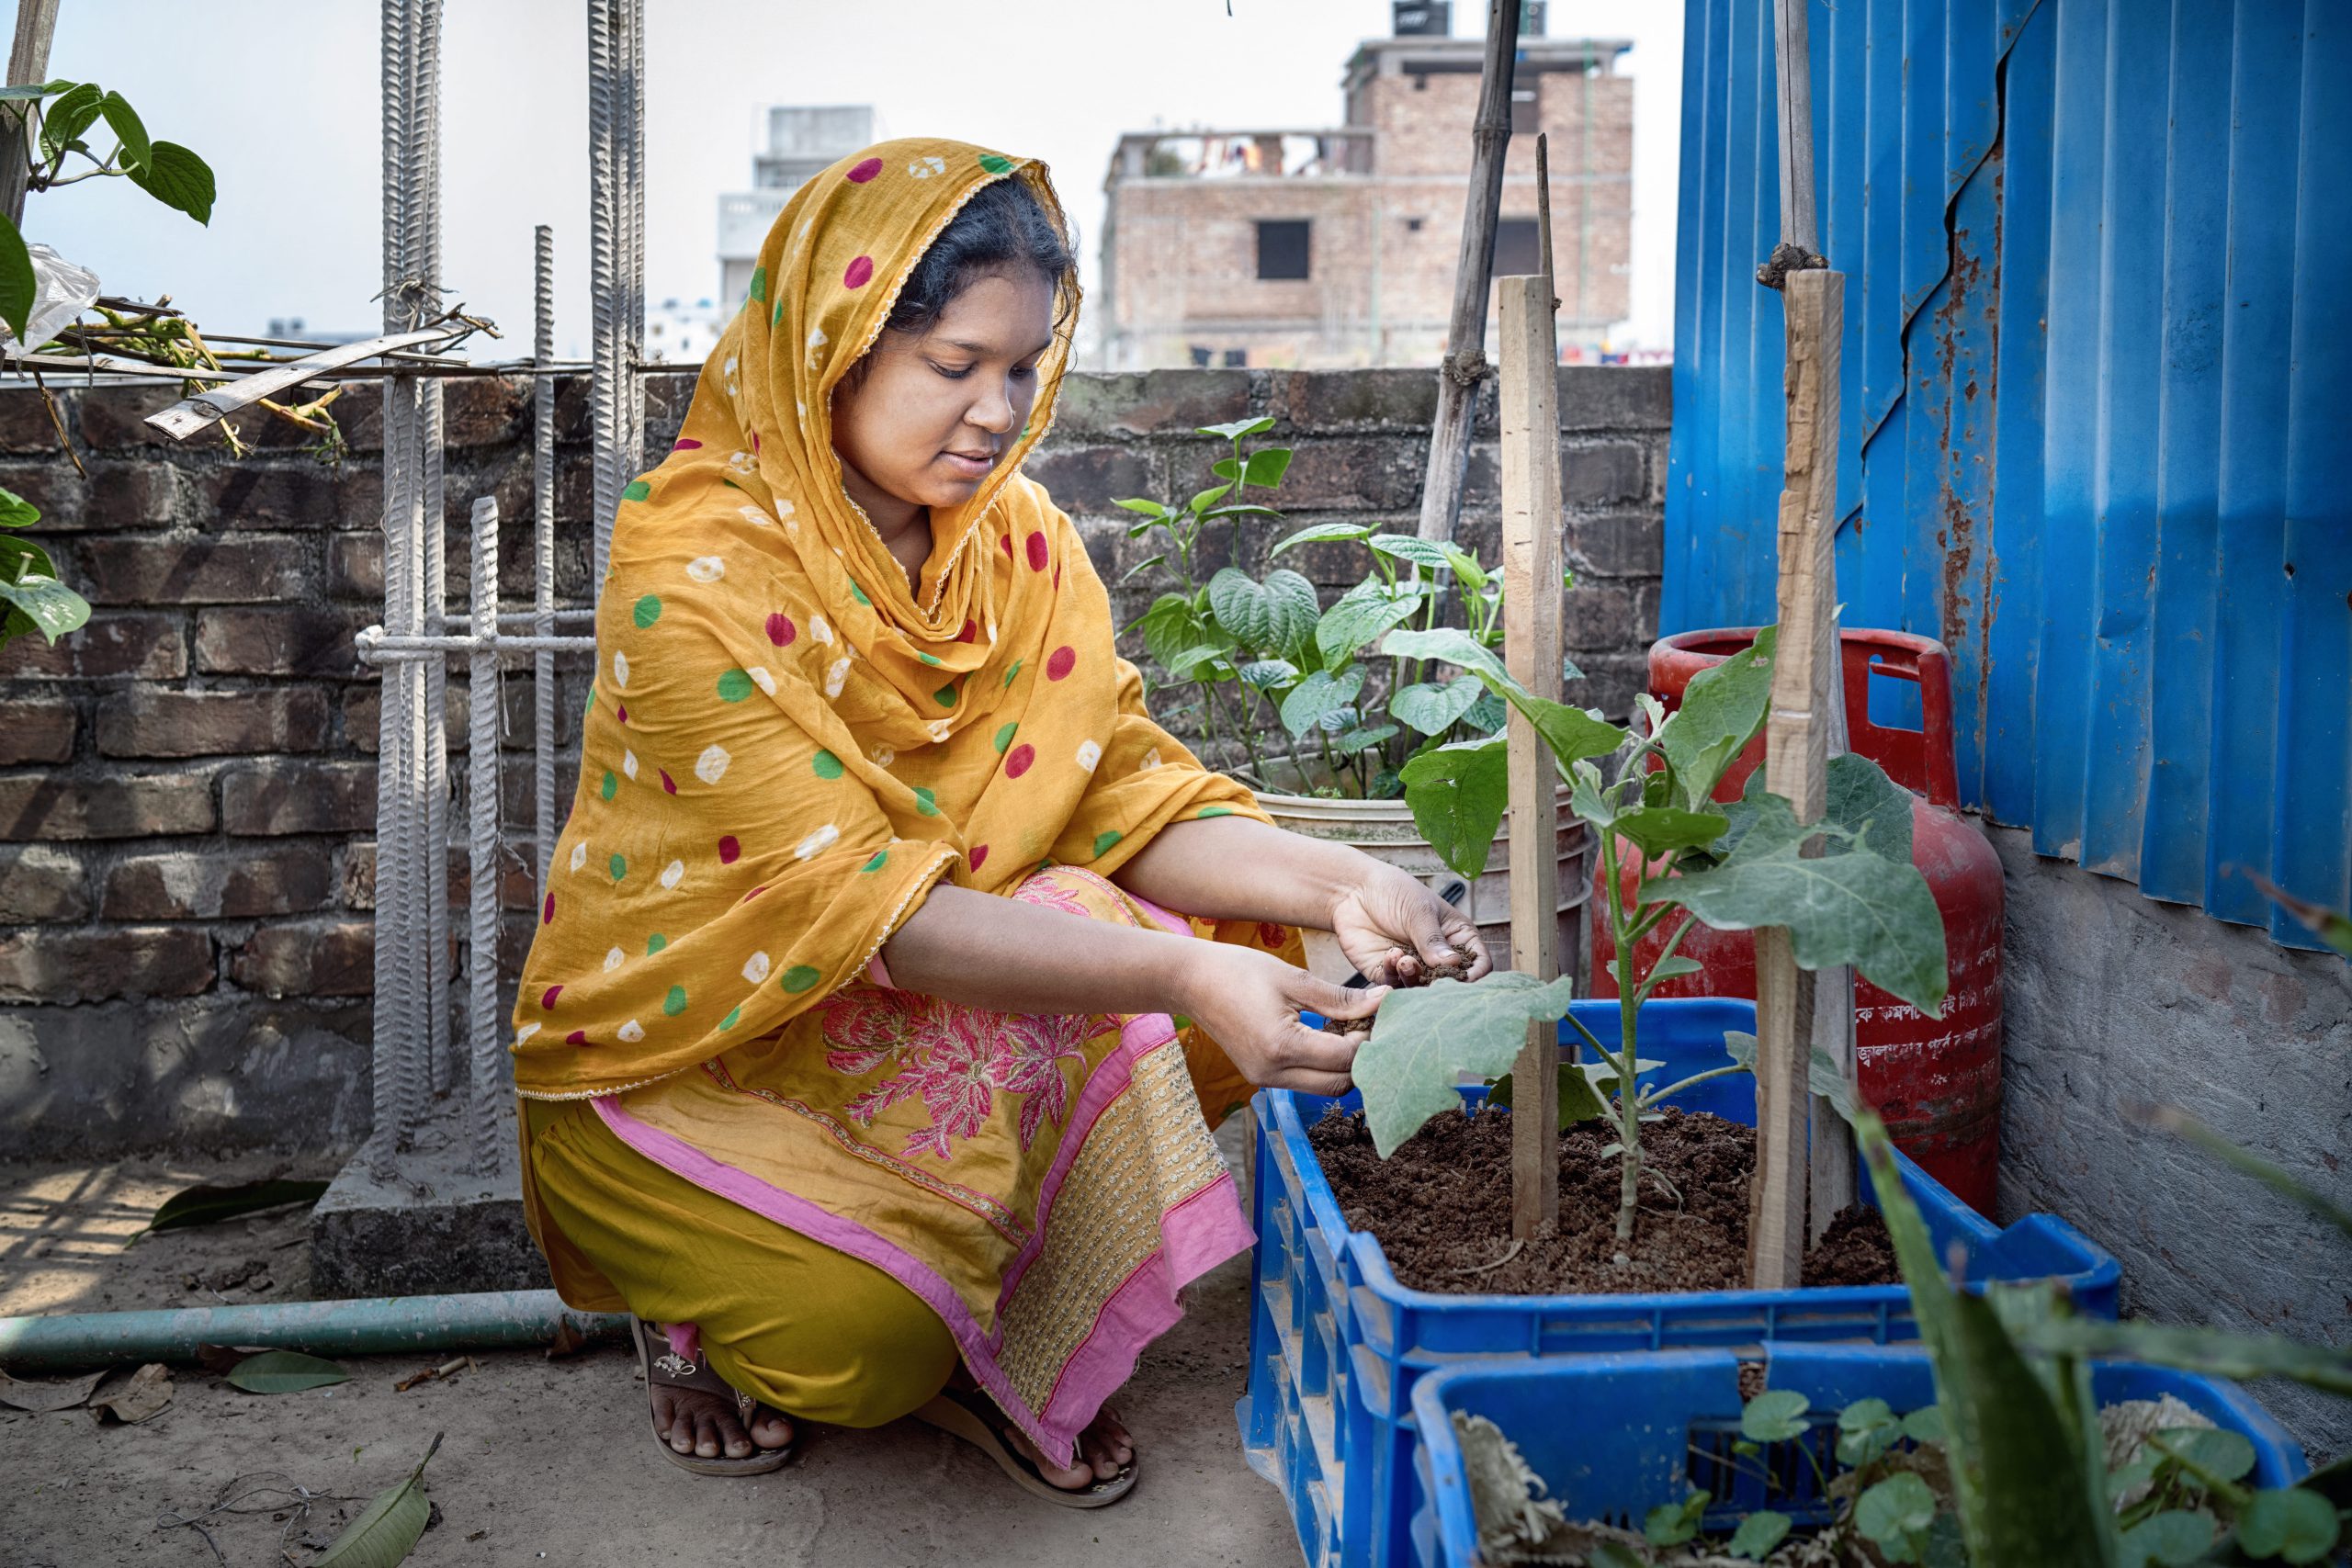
<point>1196,1236</point>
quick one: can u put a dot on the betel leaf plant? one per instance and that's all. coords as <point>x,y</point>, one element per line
<point>1307,693</point>
<point>31,597</point>
<point>2014,1465</point>
<point>56,120</point>
<point>1853,899</point>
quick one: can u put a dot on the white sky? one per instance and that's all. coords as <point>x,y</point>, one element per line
<point>282,100</point>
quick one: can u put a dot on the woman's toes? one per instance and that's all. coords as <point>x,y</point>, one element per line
<point>770,1430</point>
<point>705,1437</point>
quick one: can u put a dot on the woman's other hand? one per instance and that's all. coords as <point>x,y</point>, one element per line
<point>1393,930</point>
<point>1249,1002</point>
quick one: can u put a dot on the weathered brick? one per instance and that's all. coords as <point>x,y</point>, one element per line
<point>1353,473</point>
<point>1617,543</point>
<point>314,958</point>
<point>50,806</point>
<point>1088,480</point>
<point>306,641</point>
<point>363,712</point>
<point>26,424</point>
<point>1151,402</point>
<point>1608,682</point>
<point>355,566</point>
<point>299,798</point>
<point>114,643</point>
<point>182,885</point>
<point>147,722</point>
<point>1604,473</point>
<point>113,495</point>
<point>355,882</point>
<point>95,965</point>
<point>112,418</point>
<point>238,570</point>
<point>1400,400</point>
<point>1605,615</point>
<point>291,493</point>
<point>1616,397</point>
<point>360,498</point>
<point>482,411</point>
<point>35,729</point>
<point>38,883</point>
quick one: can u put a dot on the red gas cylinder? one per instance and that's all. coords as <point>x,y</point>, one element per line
<point>1937,1082</point>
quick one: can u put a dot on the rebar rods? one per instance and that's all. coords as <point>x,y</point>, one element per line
<point>617,254</point>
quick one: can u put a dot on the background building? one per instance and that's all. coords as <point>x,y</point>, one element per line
<point>803,140</point>
<point>1331,247</point>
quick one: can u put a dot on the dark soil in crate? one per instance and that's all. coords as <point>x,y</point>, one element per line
<point>1440,1206</point>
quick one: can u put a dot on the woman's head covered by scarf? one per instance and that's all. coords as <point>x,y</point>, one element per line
<point>884,241</point>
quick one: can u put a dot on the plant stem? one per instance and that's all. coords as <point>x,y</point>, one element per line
<point>1629,1093</point>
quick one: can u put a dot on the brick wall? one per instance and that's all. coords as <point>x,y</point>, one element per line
<point>187,785</point>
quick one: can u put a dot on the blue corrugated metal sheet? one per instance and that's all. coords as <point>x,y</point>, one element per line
<point>2097,401</point>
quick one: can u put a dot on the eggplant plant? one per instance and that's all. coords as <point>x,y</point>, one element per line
<point>1855,899</point>
<point>1286,680</point>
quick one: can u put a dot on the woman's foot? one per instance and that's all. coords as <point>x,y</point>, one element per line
<point>1104,1449</point>
<point>706,1425</point>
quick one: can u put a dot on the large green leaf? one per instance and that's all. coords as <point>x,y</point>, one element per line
<point>1234,430</point>
<point>388,1528</point>
<point>1659,829</point>
<point>1861,798</point>
<point>1266,467</point>
<point>285,1372</point>
<point>2206,1350</point>
<point>1848,905</point>
<point>1291,612</point>
<point>1430,708</point>
<point>1424,1039</point>
<point>1457,795</point>
<point>123,120</point>
<point>17,283</point>
<point>1571,733</point>
<point>52,608</point>
<point>1722,708</point>
<point>1170,626</point>
<point>1406,547</point>
<point>1362,613</point>
<point>208,1203</point>
<point>179,179</point>
<point>1322,533</point>
<point>2292,1525</point>
<point>16,512</point>
<point>62,122</point>
<point>1268,674</point>
<point>1318,696</point>
<point>1579,1100</point>
<point>2018,1479</point>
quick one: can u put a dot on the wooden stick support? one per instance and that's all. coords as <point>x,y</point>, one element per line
<point>1796,760</point>
<point>1531,610</point>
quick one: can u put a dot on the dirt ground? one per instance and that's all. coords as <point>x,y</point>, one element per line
<point>545,1461</point>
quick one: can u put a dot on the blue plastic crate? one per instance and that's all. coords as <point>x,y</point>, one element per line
<point>1650,1427</point>
<point>1336,1342</point>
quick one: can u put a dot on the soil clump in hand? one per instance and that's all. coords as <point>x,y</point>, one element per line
<point>1440,1208</point>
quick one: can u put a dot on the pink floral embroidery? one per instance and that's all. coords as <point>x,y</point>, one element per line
<point>1045,889</point>
<point>952,1058</point>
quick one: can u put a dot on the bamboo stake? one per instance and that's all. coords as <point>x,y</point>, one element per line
<point>27,66</point>
<point>1530,526</point>
<point>1465,343</point>
<point>1804,1171</point>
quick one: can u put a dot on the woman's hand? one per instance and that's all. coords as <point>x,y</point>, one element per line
<point>1393,930</point>
<point>1249,1002</point>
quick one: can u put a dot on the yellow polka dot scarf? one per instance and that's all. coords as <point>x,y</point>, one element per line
<point>785,747</point>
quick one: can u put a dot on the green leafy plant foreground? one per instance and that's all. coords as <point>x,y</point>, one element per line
<point>1310,694</point>
<point>1844,887</point>
<point>31,597</point>
<point>2014,1465</point>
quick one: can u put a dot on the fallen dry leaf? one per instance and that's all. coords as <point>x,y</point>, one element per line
<point>141,1397</point>
<point>568,1341</point>
<point>62,1394</point>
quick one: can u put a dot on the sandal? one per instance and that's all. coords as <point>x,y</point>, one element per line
<point>665,1366</point>
<point>973,1417</point>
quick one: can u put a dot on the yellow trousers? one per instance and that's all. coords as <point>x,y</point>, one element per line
<point>808,1330</point>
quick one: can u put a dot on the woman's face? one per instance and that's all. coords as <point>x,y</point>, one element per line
<point>934,413</point>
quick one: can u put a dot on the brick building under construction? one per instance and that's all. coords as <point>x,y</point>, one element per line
<point>1336,247</point>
